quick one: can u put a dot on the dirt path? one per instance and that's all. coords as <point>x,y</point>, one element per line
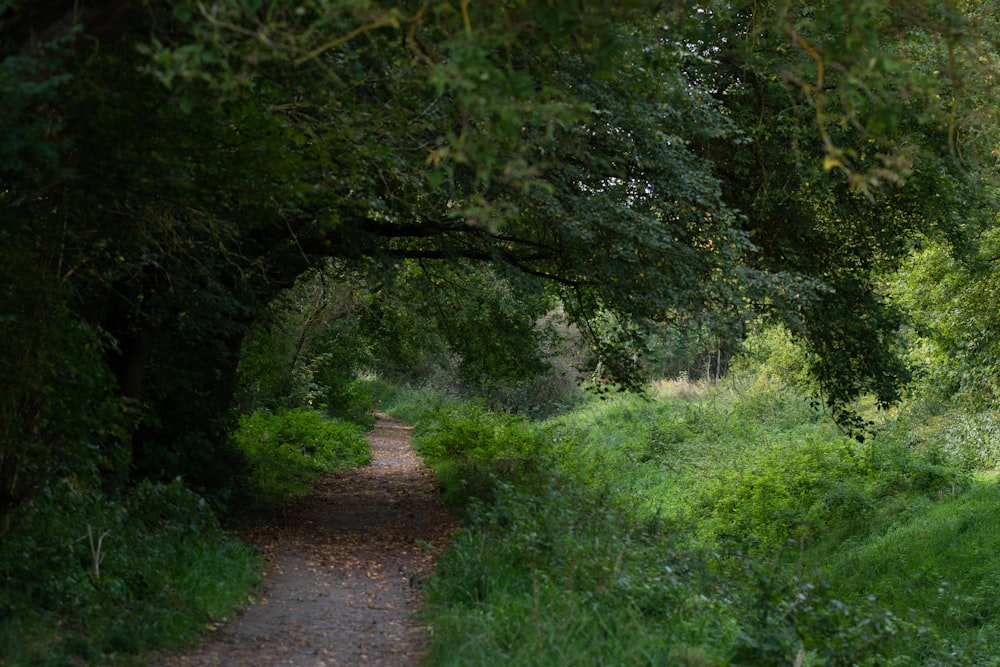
<point>343,564</point>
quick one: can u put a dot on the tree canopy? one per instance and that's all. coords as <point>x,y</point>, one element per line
<point>169,168</point>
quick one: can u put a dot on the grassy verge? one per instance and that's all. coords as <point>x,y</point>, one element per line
<point>86,578</point>
<point>90,580</point>
<point>726,527</point>
<point>938,569</point>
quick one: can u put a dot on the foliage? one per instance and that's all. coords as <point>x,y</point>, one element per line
<point>309,350</point>
<point>952,305</point>
<point>491,323</point>
<point>546,132</point>
<point>475,449</point>
<point>404,402</point>
<point>30,81</point>
<point>769,356</point>
<point>937,570</point>
<point>87,578</point>
<point>792,493</point>
<point>690,353</point>
<point>472,168</point>
<point>169,172</point>
<point>561,565</point>
<point>972,440</point>
<point>789,494</point>
<point>873,121</point>
<point>797,544</point>
<point>474,330</point>
<point>799,622</point>
<point>289,448</point>
<point>119,301</point>
<point>559,575</point>
<point>59,415</point>
<point>333,327</point>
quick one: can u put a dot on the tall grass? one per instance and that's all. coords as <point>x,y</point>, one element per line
<point>86,579</point>
<point>937,569</point>
<point>725,526</point>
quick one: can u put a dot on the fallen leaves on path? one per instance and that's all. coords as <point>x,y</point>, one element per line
<point>343,564</point>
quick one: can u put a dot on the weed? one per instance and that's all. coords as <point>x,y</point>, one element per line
<point>474,449</point>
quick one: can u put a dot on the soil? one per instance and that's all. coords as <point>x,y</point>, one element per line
<point>344,563</point>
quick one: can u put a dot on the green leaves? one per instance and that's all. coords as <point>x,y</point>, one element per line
<point>289,448</point>
<point>629,159</point>
<point>29,131</point>
<point>952,303</point>
<point>649,165</point>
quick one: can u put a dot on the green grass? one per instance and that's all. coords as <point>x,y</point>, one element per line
<point>939,570</point>
<point>724,527</point>
<point>91,580</point>
<point>560,576</point>
<point>402,401</point>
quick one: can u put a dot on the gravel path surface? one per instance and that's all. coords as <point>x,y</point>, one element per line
<point>343,565</point>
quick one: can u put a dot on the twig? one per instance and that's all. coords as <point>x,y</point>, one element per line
<point>96,551</point>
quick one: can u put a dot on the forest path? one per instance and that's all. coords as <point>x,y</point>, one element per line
<point>343,562</point>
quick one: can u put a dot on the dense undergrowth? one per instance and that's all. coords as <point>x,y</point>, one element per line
<point>88,579</point>
<point>727,525</point>
<point>701,525</point>
<point>101,578</point>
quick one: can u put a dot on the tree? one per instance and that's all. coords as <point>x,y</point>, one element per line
<point>862,103</point>
<point>655,142</point>
<point>309,348</point>
<point>697,162</point>
<point>136,226</point>
<point>955,335</point>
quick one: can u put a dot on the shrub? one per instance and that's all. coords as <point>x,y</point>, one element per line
<point>771,384</point>
<point>289,448</point>
<point>559,575</point>
<point>973,440</point>
<point>792,491</point>
<point>351,402</point>
<point>473,448</point>
<point>792,621</point>
<point>639,532</point>
<point>820,488</point>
